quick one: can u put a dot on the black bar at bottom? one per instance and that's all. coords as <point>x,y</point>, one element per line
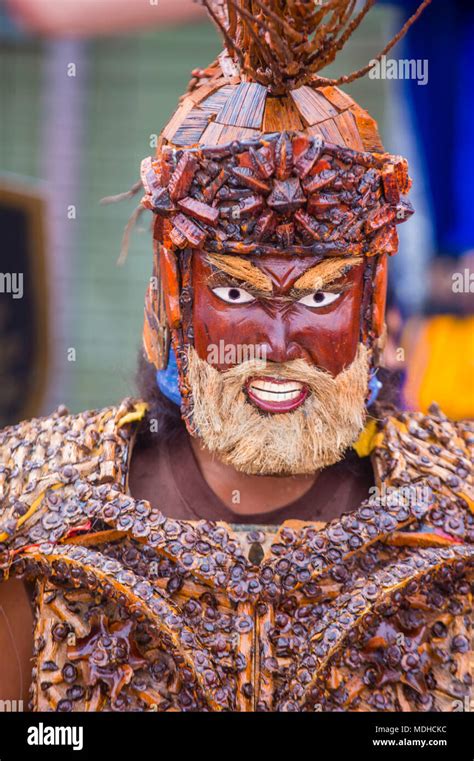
<point>143,736</point>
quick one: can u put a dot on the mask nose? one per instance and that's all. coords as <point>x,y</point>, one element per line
<point>279,344</point>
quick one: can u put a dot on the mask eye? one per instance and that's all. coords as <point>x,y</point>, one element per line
<point>233,295</point>
<point>318,299</point>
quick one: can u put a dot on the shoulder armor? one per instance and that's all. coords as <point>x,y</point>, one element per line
<point>411,448</point>
<point>44,454</point>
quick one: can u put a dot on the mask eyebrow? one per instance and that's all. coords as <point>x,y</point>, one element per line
<point>242,270</point>
<point>325,272</point>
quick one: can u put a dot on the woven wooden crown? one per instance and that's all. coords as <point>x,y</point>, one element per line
<point>262,156</point>
<point>285,193</point>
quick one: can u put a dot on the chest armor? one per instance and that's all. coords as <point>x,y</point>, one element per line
<point>136,611</point>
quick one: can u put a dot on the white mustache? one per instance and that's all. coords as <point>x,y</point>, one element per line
<point>296,372</point>
<point>311,436</point>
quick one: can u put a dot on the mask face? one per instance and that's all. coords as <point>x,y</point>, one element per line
<point>278,375</point>
<point>284,308</point>
<point>272,257</point>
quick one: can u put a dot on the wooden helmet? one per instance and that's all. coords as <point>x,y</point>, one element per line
<point>265,156</point>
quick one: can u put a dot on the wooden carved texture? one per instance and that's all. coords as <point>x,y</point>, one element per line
<point>156,329</point>
<point>219,108</point>
<point>288,194</point>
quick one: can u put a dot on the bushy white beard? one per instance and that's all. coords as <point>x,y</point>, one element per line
<point>311,437</point>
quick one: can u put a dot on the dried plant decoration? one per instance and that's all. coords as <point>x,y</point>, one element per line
<point>286,192</point>
<point>140,588</point>
<point>284,43</point>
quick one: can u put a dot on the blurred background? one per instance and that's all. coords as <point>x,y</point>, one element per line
<point>86,85</point>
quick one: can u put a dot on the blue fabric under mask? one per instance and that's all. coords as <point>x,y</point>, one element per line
<point>375,386</point>
<point>167,380</point>
<point>168,383</point>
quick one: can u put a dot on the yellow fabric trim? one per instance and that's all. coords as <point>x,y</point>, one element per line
<point>399,425</point>
<point>368,439</point>
<point>138,412</point>
<point>103,420</point>
<point>31,510</point>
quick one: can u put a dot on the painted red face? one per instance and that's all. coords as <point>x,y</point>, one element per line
<point>286,318</point>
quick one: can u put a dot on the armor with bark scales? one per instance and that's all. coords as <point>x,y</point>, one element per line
<point>371,611</point>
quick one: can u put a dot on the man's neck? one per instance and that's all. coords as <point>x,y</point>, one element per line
<point>248,494</point>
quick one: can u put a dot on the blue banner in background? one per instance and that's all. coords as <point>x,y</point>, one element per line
<point>444,113</point>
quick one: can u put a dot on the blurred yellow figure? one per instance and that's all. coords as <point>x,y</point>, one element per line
<point>440,364</point>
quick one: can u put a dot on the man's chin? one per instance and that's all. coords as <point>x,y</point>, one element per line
<point>300,441</point>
